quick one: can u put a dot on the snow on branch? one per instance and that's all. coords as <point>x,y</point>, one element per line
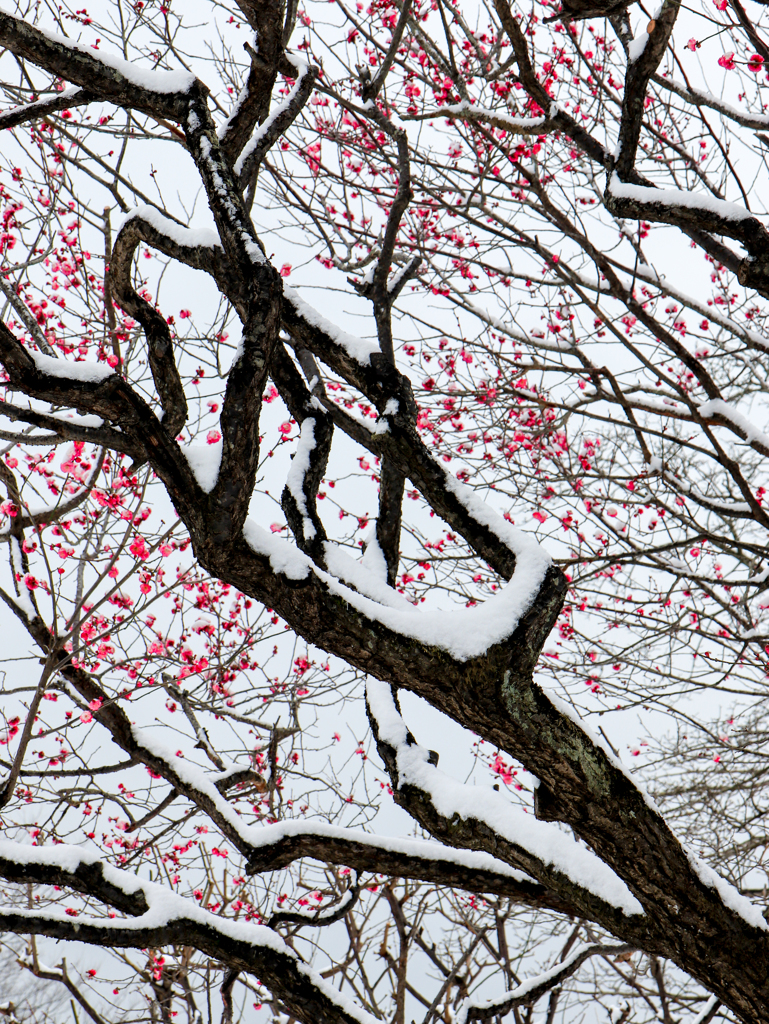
<point>205,461</point>
<point>721,412</point>
<point>280,119</point>
<point>556,344</point>
<point>299,499</point>
<point>529,991</point>
<point>162,917</point>
<point>70,97</point>
<point>708,1012</point>
<point>695,211</point>
<point>673,198</point>
<point>170,230</point>
<point>86,386</point>
<point>464,633</point>
<point>473,114</point>
<point>550,855</point>
<point>752,337</point>
<point>358,349</point>
<point>106,76</point>
<point>225,201</point>
<point>85,371</point>
<point>698,98</point>
<point>276,845</point>
<point>73,868</point>
<point>300,467</point>
<point>271,847</point>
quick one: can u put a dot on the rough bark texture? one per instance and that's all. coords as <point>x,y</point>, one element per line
<point>493,694</point>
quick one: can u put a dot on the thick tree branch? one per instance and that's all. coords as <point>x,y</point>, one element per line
<point>412,859</point>
<point>381,383</point>
<point>230,497</point>
<point>91,876</point>
<point>478,833</point>
<point>251,948</point>
<point>640,68</point>
<point>694,895</point>
<point>107,77</point>
<point>105,395</point>
<point>253,103</point>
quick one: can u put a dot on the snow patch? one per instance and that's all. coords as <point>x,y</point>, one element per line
<point>300,466</point>
<point>717,407</point>
<point>205,462</point>
<point>188,237</point>
<point>673,197</point>
<point>368,577</point>
<point>263,129</point>
<point>87,371</point>
<point>284,557</point>
<point>358,349</point>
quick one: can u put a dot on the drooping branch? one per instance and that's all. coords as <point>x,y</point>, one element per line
<point>463,817</point>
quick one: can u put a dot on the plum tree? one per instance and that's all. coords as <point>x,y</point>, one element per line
<point>488,189</point>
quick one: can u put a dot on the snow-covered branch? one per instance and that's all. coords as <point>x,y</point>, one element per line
<point>160,917</point>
